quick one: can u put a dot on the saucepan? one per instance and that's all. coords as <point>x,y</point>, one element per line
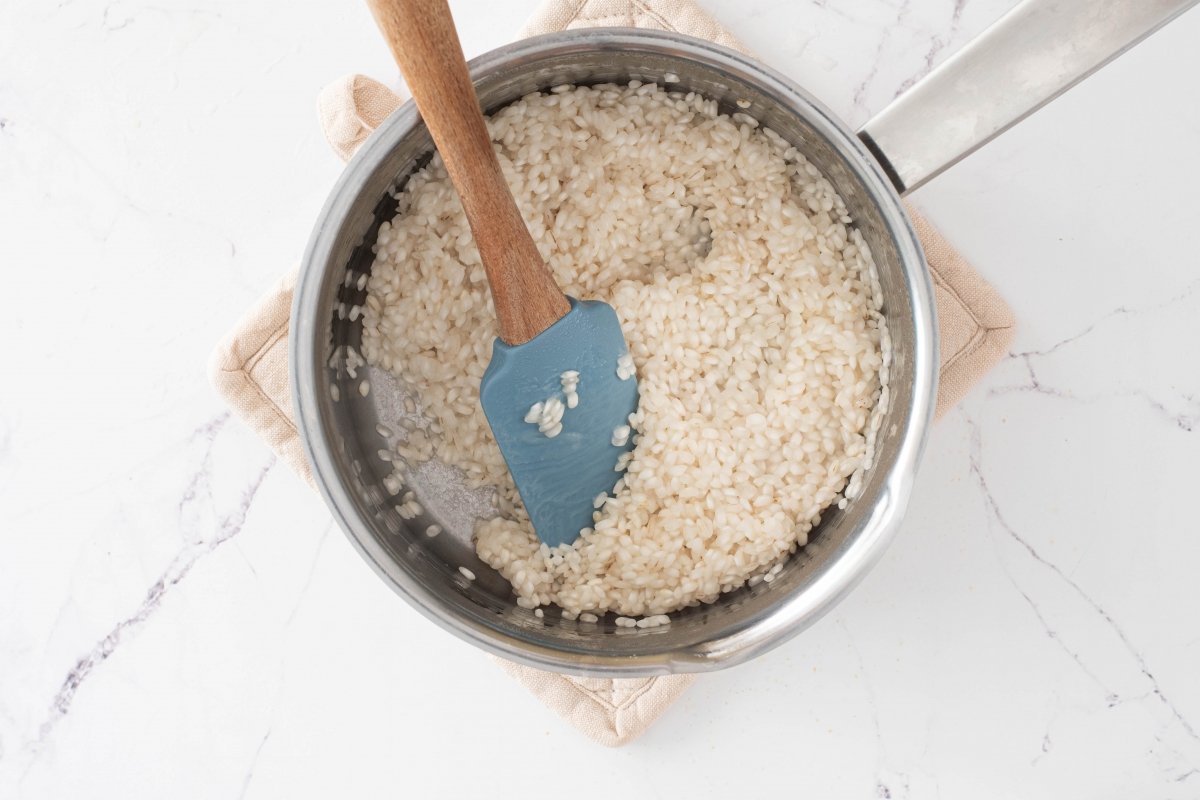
<point>1037,51</point>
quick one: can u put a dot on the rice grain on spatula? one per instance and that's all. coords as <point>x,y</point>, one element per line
<point>753,318</point>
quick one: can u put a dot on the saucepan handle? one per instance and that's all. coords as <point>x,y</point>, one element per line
<point>1027,58</point>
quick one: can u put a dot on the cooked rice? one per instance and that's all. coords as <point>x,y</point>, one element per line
<point>751,311</point>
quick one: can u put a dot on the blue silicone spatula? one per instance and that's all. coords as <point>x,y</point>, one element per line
<point>559,389</point>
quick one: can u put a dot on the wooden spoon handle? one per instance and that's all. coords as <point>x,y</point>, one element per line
<point>425,44</point>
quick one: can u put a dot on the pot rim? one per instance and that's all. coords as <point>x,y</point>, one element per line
<point>794,612</point>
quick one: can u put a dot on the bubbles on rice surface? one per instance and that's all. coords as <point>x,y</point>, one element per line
<point>751,310</point>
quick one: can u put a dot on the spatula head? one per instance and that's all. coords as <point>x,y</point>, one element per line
<point>560,477</point>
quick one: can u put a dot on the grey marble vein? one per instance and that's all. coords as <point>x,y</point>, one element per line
<point>937,44</point>
<point>229,526</point>
<point>254,763</point>
<point>859,98</point>
<point>997,516</point>
<point>1185,420</point>
<point>312,570</point>
<point>885,778</point>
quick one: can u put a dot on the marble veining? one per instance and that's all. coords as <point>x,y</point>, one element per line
<point>1152,689</point>
<point>1120,654</point>
<point>936,45</point>
<point>229,526</point>
<point>179,616</point>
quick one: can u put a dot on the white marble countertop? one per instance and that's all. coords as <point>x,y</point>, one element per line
<point>179,617</point>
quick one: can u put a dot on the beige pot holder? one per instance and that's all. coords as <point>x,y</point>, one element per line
<point>250,367</point>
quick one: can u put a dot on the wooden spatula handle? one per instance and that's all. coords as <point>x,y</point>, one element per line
<point>425,44</point>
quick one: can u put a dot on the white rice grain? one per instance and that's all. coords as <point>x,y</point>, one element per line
<point>620,436</point>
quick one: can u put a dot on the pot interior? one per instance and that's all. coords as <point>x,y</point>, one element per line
<point>344,438</point>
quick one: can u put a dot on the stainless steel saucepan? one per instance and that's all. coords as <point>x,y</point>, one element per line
<point>1034,53</point>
